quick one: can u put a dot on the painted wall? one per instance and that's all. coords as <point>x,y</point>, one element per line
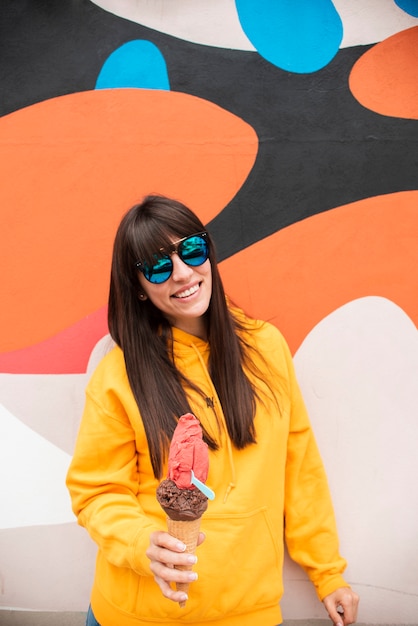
<point>292,129</point>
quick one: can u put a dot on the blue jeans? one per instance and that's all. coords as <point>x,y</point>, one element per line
<point>92,621</point>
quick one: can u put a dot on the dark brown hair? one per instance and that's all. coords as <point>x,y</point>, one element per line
<point>143,333</point>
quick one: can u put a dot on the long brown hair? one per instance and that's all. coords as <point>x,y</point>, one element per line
<point>142,332</point>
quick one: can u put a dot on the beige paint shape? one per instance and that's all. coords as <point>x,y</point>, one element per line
<point>216,23</point>
<point>358,370</point>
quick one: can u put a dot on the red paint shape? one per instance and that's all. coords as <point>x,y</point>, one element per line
<point>66,353</point>
<point>302,273</point>
<point>71,167</point>
<point>385,78</point>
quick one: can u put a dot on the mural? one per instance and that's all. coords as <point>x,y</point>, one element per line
<point>293,132</point>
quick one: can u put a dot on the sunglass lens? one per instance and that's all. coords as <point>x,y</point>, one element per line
<point>160,271</point>
<point>194,250</point>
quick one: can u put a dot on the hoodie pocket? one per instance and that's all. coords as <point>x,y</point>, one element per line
<point>240,563</point>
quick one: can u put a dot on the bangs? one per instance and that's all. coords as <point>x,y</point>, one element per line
<point>153,238</point>
<point>152,226</point>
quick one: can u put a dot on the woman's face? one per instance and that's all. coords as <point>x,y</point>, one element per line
<point>183,298</point>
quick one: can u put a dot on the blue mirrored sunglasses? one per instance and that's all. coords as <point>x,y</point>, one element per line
<point>193,251</point>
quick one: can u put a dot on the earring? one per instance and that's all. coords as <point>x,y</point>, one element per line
<point>142,296</point>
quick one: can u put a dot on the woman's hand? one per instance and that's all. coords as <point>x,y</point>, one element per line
<point>165,552</point>
<point>342,606</point>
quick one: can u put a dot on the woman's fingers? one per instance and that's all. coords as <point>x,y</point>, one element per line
<point>166,554</point>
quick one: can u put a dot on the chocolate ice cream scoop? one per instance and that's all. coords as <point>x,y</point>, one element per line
<point>181,504</point>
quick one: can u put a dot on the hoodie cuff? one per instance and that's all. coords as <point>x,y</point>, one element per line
<point>330,585</point>
<point>139,560</point>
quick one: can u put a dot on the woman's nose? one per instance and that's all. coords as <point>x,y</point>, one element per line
<point>181,271</point>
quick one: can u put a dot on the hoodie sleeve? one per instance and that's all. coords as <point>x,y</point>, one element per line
<point>103,482</point>
<point>310,527</point>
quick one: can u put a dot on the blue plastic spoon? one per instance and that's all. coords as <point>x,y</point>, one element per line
<point>203,488</point>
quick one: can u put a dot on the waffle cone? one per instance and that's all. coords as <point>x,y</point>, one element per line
<point>187,532</point>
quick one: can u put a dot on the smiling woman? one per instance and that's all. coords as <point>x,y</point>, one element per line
<point>183,348</point>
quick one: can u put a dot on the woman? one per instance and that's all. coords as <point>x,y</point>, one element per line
<point>181,347</point>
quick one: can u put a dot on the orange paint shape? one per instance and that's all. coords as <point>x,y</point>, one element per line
<point>385,78</point>
<point>301,274</point>
<point>66,353</point>
<point>72,166</point>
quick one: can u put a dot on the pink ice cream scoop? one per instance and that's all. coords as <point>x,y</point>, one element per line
<point>188,454</point>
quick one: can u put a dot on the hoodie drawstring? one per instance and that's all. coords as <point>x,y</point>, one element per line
<point>210,401</point>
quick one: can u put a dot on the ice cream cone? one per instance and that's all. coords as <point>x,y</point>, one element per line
<point>187,532</point>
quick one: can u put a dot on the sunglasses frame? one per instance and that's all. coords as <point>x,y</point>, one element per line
<point>175,248</point>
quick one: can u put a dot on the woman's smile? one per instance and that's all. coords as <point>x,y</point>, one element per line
<point>187,292</point>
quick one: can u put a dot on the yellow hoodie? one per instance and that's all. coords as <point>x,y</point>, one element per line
<point>272,489</point>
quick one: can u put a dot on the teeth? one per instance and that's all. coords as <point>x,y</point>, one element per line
<point>188,292</point>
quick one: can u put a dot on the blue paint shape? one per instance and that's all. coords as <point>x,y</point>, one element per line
<point>409,6</point>
<point>300,36</point>
<point>138,64</point>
